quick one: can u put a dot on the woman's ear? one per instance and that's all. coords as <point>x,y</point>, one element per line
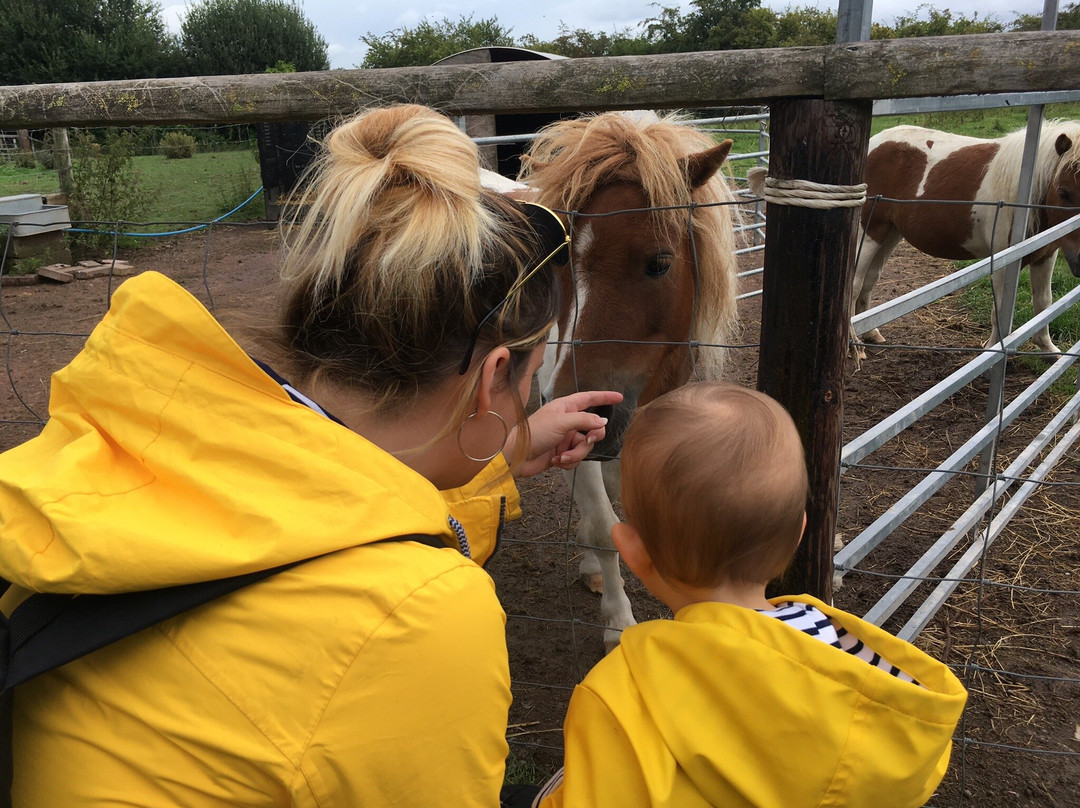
<point>493,368</point>
<point>632,549</point>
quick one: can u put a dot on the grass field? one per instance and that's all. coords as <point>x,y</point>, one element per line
<point>193,190</point>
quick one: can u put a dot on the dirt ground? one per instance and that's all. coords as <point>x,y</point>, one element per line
<point>1015,641</point>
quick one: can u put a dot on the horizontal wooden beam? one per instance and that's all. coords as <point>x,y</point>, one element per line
<point>629,82</point>
<point>953,65</point>
<point>901,68</point>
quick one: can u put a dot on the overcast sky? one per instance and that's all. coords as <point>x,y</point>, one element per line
<point>343,22</point>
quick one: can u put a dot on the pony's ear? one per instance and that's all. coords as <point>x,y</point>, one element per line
<point>700,167</point>
<point>1062,144</point>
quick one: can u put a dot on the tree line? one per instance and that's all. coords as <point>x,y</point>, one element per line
<point>94,40</point>
<point>707,25</point>
<point>99,40</point>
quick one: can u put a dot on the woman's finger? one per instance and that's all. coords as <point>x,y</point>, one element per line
<point>588,398</point>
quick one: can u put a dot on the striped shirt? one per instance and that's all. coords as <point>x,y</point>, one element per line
<point>811,620</point>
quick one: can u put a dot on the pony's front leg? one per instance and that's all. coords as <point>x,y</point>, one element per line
<point>600,562</point>
<point>1042,273</point>
<point>872,257</point>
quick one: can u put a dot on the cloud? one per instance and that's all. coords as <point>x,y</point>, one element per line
<point>174,17</point>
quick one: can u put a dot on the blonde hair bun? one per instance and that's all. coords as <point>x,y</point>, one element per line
<point>403,184</point>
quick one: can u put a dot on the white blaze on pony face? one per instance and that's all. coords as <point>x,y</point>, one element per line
<point>559,355</point>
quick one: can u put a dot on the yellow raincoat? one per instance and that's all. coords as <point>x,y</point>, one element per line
<point>726,707</point>
<point>374,676</point>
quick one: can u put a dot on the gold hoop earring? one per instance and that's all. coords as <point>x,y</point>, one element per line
<point>506,434</point>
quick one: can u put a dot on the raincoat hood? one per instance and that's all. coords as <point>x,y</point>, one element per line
<point>171,457</point>
<point>732,691</point>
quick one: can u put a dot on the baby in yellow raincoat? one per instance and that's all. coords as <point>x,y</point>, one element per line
<point>742,700</point>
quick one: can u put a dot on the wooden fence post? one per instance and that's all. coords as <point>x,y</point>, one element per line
<point>809,255</point>
<point>62,159</point>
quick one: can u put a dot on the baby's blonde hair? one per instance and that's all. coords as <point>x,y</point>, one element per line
<point>396,255</point>
<point>714,480</point>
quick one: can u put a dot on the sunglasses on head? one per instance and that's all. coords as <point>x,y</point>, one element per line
<point>553,238</point>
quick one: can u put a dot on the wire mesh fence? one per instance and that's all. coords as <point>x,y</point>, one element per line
<point>1009,624</point>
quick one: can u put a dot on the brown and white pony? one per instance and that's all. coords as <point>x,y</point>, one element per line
<point>913,163</point>
<point>652,269</point>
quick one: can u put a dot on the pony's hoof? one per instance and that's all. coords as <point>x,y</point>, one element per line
<point>594,582</point>
<point>873,336</point>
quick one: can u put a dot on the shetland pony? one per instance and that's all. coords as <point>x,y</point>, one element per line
<point>652,270</point>
<point>913,163</point>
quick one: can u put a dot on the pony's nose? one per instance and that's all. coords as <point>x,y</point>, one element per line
<point>604,410</point>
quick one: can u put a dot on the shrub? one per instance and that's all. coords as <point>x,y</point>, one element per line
<point>105,185</point>
<point>177,146</point>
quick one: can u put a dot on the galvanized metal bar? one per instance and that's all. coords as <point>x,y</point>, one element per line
<point>1004,307</point>
<point>867,442</point>
<point>853,21</point>
<point>925,613</point>
<point>930,606</point>
<point>761,116</point>
<point>909,106</point>
<point>901,590</point>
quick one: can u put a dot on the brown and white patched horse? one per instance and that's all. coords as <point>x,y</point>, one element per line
<point>652,268</point>
<point>913,163</point>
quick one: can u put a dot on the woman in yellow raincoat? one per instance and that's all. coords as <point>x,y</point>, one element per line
<point>416,311</point>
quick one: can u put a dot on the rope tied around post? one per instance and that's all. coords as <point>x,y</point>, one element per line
<point>804,193</point>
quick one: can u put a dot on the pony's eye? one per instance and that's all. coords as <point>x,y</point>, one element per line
<point>1065,196</point>
<point>658,266</point>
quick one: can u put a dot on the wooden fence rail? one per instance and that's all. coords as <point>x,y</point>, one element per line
<point>901,68</point>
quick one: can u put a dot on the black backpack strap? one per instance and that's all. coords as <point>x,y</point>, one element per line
<point>49,630</point>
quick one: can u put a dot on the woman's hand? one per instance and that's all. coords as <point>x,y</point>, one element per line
<point>562,432</point>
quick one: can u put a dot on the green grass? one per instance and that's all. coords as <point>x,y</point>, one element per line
<point>15,180</point>
<point>977,122</point>
<point>520,771</point>
<point>978,299</point>
<point>202,187</point>
<point>192,190</point>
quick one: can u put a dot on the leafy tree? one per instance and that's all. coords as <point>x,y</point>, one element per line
<point>1068,20</point>
<point>805,26</point>
<point>84,40</point>
<point>937,23</point>
<point>710,25</point>
<point>231,37</point>
<point>430,41</point>
<point>757,29</point>
<point>582,43</point>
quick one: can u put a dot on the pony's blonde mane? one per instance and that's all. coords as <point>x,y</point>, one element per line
<point>1048,162</point>
<point>572,160</point>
